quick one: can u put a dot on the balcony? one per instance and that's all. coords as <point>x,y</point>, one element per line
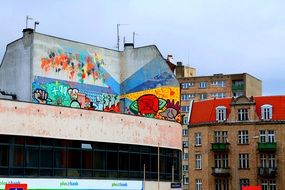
<point>267,147</point>
<point>267,172</point>
<point>236,87</point>
<point>220,147</point>
<point>221,172</point>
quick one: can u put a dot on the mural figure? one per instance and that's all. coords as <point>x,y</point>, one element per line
<point>171,111</point>
<point>40,96</point>
<point>73,93</point>
<point>147,105</point>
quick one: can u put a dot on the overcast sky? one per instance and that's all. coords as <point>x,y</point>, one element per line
<point>214,36</point>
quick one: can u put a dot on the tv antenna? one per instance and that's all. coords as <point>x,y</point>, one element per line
<point>27,20</point>
<point>118,35</point>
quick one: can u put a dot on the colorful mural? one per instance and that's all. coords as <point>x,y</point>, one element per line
<point>160,103</point>
<point>79,66</point>
<point>63,93</point>
<point>78,79</point>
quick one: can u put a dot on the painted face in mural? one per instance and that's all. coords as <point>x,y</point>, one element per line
<point>73,92</point>
<point>171,111</point>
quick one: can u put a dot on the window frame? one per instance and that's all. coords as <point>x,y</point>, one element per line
<point>198,184</point>
<point>243,137</point>
<point>244,161</point>
<point>221,113</point>
<point>198,161</point>
<point>243,114</point>
<point>198,139</point>
<point>266,112</point>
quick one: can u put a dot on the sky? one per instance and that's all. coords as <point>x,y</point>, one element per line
<point>213,36</point>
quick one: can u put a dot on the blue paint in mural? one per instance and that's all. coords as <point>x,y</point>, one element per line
<point>152,75</point>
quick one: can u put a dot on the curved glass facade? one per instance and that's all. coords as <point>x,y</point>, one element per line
<point>46,157</point>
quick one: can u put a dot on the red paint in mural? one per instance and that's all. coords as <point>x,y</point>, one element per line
<point>80,66</point>
<point>113,108</point>
<point>148,104</point>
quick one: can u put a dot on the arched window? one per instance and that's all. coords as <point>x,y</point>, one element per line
<point>266,112</point>
<point>221,113</point>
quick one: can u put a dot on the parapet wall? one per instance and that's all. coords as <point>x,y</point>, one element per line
<point>28,119</point>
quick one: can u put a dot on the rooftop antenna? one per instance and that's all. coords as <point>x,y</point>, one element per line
<point>134,33</point>
<point>27,19</point>
<point>118,35</point>
<point>35,25</point>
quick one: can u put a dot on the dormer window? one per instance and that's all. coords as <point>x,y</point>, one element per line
<point>266,112</point>
<point>242,114</point>
<point>221,113</point>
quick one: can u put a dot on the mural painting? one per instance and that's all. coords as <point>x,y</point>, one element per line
<point>78,66</point>
<point>63,93</point>
<point>160,103</point>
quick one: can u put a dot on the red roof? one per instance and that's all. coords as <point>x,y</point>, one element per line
<point>277,103</point>
<point>205,111</point>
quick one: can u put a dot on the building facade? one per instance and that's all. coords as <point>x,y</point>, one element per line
<point>198,88</point>
<point>237,142</point>
<point>80,116</point>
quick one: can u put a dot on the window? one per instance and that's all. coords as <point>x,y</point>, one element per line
<point>221,136</point>
<point>198,184</point>
<point>242,114</point>
<point>185,120</point>
<point>185,180</point>
<point>221,113</point>
<point>185,108</point>
<point>218,95</point>
<point>243,182</point>
<point>218,83</point>
<point>243,161</point>
<point>185,144</point>
<point>243,137</point>
<point>186,85</point>
<point>266,136</point>
<point>266,112</point>
<point>271,136</point>
<point>203,96</point>
<point>185,132</point>
<point>221,184</point>
<point>198,161</point>
<point>198,139</point>
<point>272,184</point>
<point>185,156</point>
<point>268,184</point>
<point>238,93</point>
<point>264,184</point>
<point>202,84</point>
<point>185,168</point>
<point>221,161</point>
<point>267,161</point>
<point>187,96</point>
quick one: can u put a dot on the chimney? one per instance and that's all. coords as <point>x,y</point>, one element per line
<point>27,37</point>
<point>27,31</point>
<point>128,46</point>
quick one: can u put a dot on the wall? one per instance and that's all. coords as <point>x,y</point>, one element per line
<point>78,124</point>
<point>253,86</point>
<point>15,68</point>
<point>73,74</point>
<point>148,87</point>
<point>137,81</point>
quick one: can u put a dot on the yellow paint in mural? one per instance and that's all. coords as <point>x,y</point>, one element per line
<point>171,93</point>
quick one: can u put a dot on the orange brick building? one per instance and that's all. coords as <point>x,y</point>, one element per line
<point>236,142</point>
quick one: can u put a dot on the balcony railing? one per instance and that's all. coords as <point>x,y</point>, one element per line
<point>220,147</point>
<point>221,172</point>
<point>237,87</point>
<point>267,172</point>
<point>267,147</point>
